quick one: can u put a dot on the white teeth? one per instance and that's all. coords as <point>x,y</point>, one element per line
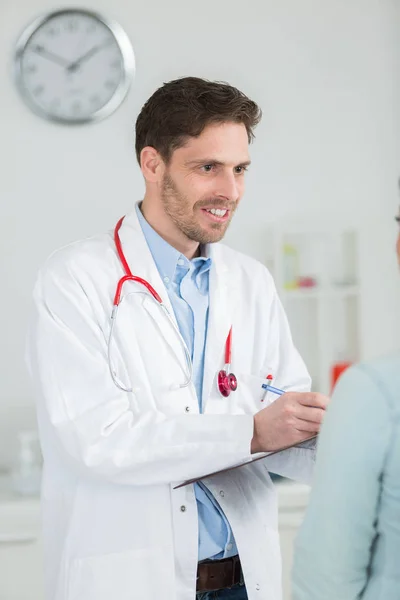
<point>219,212</point>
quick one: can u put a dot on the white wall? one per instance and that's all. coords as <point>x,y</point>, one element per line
<point>326,75</point>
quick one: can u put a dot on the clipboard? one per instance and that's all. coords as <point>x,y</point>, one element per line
<point>247,462</point>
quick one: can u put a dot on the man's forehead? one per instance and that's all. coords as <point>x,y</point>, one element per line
<point>219,144</point>
<point>221,132</point>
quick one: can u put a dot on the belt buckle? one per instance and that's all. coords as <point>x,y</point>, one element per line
<point>235,578</point>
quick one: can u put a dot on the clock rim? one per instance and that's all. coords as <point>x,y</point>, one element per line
<point>128,71</point>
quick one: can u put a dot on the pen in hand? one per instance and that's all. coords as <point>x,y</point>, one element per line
<point>271,388</point>
<point>290,420</point>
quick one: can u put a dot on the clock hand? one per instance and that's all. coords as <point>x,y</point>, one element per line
<point>50,55</point>
<point>77,63</point>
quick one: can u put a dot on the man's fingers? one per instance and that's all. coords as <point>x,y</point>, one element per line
<point>313,415</point>
<point>307,426</point>
<point>313,399</point>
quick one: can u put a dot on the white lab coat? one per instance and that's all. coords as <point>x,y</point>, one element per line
<point>114,527</point>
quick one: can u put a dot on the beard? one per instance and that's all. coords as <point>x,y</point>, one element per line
<point>180,210</point>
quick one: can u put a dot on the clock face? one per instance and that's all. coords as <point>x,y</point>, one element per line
<point>73,66</point>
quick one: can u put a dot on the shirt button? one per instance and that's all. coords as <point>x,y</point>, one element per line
<point>166,279</point>
<point>229,546</point>
<point>181,262</point>
<point>183,508</point>
<point>222,493</point>
<point>187,409</point>
<point>257,587</point>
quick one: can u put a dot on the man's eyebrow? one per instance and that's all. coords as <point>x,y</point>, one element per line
<point>212,161</point>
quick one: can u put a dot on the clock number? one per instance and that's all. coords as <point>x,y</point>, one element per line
<point>39,89</point>
<point>72,25</point>
<point>76,107</point>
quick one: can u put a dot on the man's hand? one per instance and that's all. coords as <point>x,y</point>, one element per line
<point>289,420</point>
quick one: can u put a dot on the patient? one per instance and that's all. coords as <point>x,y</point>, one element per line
<point>349,545</point>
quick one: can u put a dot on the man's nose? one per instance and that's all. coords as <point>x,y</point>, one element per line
<point>227,186</point>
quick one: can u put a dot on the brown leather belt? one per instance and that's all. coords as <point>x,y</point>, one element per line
<point>213,575</point>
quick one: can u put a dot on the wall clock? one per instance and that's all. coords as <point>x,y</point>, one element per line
<point>74,66</point>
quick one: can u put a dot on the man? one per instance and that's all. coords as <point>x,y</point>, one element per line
<point>130,407</point>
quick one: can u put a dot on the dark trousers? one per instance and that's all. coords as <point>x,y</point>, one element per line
<point>238,592</point>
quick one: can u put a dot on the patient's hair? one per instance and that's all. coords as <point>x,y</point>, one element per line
<point>184,107</point>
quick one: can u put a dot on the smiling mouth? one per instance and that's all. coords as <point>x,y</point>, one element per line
<point>217,215</point>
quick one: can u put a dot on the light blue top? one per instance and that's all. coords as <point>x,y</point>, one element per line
<point>187,283</point>
<point>349,545</point>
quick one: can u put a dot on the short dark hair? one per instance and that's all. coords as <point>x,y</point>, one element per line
<point>182,108</point>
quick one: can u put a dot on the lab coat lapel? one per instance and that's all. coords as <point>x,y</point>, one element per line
<point>141,264</point>
<point>223,298</point>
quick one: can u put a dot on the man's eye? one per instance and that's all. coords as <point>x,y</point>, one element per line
<point>207,168</point>
<point>240,169</point>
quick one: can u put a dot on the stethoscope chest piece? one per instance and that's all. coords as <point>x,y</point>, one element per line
<point>227,383</point>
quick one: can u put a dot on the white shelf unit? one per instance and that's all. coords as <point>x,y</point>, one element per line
<point>325,317</point>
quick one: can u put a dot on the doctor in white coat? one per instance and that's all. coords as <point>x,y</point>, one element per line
<point>130,407</point>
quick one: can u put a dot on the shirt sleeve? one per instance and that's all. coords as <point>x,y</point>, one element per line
<point>333,548</point>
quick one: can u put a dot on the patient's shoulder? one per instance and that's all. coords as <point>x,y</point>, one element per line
<point>385,372</point>
<point>381,377</point>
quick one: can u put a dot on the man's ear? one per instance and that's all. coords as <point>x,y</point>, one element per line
<point>151,163</point>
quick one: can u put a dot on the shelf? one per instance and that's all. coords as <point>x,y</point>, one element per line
<point>324,319</point>
<point>339,291</point>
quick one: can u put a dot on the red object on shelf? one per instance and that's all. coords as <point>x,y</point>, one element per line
<point>337,369</point>
<point>306,282</point>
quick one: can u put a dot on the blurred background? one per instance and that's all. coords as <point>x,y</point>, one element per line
<point>318,210</point>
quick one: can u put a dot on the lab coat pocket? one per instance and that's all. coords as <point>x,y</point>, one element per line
<point>140,574</point>
<point>252,395</point>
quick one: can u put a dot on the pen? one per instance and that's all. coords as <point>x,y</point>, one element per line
<point>271,388</point>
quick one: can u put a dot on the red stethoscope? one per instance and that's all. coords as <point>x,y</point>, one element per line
<point>227,381</point>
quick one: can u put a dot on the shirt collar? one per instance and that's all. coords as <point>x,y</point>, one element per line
<point>166,256</point>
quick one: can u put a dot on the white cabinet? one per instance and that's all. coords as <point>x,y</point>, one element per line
<point>21,568</point>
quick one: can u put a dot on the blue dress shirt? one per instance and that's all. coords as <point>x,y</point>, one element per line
<point>187,284</point>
